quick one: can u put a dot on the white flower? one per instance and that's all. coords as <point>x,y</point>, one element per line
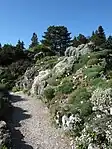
<point>94,108</point>
<point>82,102</point>
<point>98,116</point>
<point>85,67</point>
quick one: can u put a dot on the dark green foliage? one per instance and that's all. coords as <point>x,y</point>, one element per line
<point>9,74</point>
<point>20,45</point>
<point>108,44</point>
<point>4,99</point>
<point>81,39</point>
<point>15,62</point>
<point>42,48</point>
<point>49,93</point>
<point>57,38</point>
<point>19,67</point>
<point>76,43</point>
<point>34,41</point>
<point>9,54</point>
<point>0,46</point>
<point>99,37</point>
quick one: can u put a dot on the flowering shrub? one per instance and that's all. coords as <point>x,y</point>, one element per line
<point>97,131</point>
<point>80,101</point>
<point>102,100</point>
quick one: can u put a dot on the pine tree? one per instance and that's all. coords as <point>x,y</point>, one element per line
<point>93,33</point>
<point>20,45</point>
<point>76,43</point>
<point>108,44</point>
<point>34,41</point>
<point>0,45</point>
<point>82,39</point>
<point>57,38</point>
<point>99,37</point>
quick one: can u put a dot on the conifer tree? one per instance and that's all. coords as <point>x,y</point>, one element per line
<point>34,41</point>
<point>57,38</point>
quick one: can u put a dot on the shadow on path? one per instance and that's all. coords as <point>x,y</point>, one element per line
<point>16,98</point>
<point>17,115</point>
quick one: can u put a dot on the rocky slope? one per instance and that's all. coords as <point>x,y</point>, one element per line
<point>68,86</point>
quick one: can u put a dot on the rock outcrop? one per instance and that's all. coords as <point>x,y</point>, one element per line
<point>63,67</point>
<point>26,81</point>
<point>40,82</point>
<point>80,50</point>
<point>35,78</point>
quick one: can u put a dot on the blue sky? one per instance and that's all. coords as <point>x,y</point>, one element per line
<point>20,18</point>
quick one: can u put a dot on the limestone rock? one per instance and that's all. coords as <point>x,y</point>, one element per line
<point>25,82</point>
<point>80,50</point>
<point>40,82</point>
<point>63,67</point>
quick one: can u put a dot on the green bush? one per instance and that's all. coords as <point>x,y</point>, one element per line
<point>81,62</point>
<point>93,72</point>
<point>9,74</point>
<point>53,81</point>
<point>47,62</point>
<point>4,99</point>
<point>79,101</point>
<point>84,59</point>
<point>99,54</point>
<point>65,87</point>
<point>101,83</point>
<point>92,61</point>
<point>42,48</point>
<point>49,93</point>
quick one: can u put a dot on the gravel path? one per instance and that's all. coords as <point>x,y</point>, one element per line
<point>31,127</point>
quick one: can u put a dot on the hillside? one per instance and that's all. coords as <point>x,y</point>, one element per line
<point>76,86</point>
<point>73,78</point>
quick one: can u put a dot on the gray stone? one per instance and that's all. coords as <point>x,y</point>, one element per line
<point>39,55</point>
<point>39,82</point>
<point>80,50</point>
<point>26,81</point>
<point>63,67</point>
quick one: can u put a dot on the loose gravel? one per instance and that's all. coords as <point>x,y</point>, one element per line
<point>32,127</point>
